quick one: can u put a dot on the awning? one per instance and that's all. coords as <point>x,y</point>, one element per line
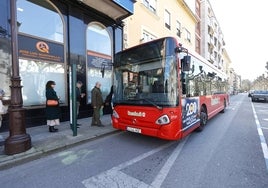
<point>115,9</point>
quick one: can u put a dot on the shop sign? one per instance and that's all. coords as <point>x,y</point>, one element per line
<point>42,50</point>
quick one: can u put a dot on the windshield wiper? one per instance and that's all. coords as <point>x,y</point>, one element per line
<point>140,99</point>
<point>151,102</point>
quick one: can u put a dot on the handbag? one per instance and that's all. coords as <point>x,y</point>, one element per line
<point>52,102</point>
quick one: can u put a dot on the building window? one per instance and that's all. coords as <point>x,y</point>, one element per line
<point>150,4</point>
<point>197,45</point>
<point>210,49</point>
<point>219,47</point>
<point>5,47</point>
<point>215,56</point>
<point>215,41</point>
<point>34,75</point>
<point>210,30</point>
<point>146,36</point>
<point>167,19</point>
<point>198,28</point>
<point>178,28</point>
<point>99,58</point>
<point>188,35</point>
<point>41,51</point>
<point>209,12</point>
<point>49,24</point>
<point>98,39</point>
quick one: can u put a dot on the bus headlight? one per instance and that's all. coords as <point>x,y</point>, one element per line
<point>115,114</point>
<point>163,120</point>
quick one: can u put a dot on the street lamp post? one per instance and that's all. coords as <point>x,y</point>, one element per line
<point>18,140</point>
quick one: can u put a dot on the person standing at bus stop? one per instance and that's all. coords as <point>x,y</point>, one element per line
<point>52,111</point>
<point>97,104</point>
<point>79,96</point>
<point>3,108</point>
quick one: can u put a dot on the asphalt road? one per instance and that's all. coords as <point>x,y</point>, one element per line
<point>229,152</point>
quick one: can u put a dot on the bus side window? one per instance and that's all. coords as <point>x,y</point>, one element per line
<point>183,88</point>
<point>183,83</point>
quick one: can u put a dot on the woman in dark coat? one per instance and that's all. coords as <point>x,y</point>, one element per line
<point>52,112</point>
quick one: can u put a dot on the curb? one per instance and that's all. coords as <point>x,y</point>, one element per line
<point>35,153</point>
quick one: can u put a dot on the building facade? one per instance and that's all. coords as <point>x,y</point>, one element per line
<point>212,41</point>
<point>154,19</point>
<point>86,33</point>
<point>192,22</point>
<point>228,70</point>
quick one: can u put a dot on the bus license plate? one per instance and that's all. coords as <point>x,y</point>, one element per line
<point>135,130</point>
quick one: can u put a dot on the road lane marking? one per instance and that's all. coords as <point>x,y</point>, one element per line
<point>262,138</point>
<point>115,178</point>
<point>161,176</point>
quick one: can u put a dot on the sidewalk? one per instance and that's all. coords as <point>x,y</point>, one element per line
<point>44,142</point>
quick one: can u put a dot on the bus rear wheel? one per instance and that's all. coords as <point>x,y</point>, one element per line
<point>203,119</point>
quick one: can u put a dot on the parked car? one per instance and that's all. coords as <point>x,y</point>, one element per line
<point>259,95</point>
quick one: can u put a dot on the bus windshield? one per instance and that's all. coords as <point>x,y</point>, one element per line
<point>147,75</point>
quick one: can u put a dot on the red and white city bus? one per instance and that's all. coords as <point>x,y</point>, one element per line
<point>161,90</point>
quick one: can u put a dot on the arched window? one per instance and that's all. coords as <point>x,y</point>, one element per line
<point>47,23</point>
<point>5,47</point>
<point>41,50</point>
<point>99,58</point>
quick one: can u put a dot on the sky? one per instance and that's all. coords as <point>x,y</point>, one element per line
<point>245,29</point>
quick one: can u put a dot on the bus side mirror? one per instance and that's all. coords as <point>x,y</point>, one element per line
<point>186,63</point>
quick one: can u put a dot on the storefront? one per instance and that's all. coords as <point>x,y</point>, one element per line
<point>52,35</point>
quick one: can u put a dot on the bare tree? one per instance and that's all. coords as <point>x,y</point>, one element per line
<point>266,67</point>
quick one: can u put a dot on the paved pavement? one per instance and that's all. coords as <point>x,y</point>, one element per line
<point>44,142</point>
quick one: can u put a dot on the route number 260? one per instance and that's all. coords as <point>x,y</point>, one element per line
<point>191,108</point>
